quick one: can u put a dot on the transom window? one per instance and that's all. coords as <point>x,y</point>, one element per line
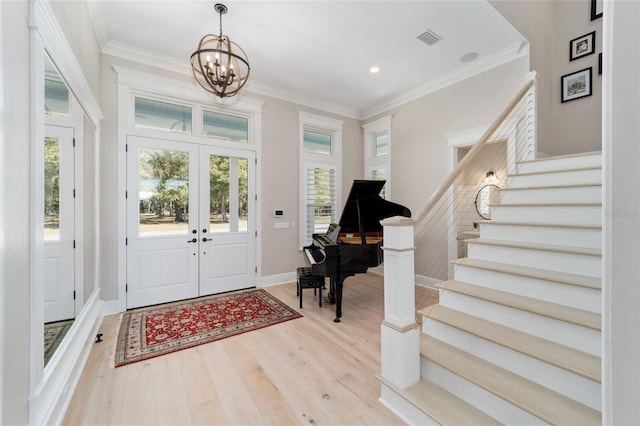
<point>382,144</point>
<point>317,142</point>
<point>153,114</point>
<point>56,93</point>
<point>225,126</point>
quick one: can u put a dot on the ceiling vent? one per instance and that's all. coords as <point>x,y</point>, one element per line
<point>429,37</point>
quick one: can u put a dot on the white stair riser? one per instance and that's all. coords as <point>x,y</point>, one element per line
<point>483,400</point>
<point>573,237</point>
<point>562,381</point>
<point>561,163</point>
<point>590,266</point>
<point>572,177</point>
<point>587,299</point>
<point>574,336</point>
<point>577,194</point>
<point>559,215</point>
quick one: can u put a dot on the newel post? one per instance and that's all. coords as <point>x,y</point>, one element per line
<point>400,334</point>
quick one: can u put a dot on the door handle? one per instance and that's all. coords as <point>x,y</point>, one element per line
<point>205,239</point>
<point>193,240</point>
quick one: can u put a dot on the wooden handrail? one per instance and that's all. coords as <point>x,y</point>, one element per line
<point>433,200</point>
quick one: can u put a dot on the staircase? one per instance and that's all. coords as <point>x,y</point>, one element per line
<point>516,337</point>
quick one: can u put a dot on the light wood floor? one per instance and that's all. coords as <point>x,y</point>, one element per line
<point>305,371</point>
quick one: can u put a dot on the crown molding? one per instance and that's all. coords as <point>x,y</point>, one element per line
<point>147,82</point>
<point>501,57</point>
<point>135,54</point>
<point>285,95</point>
<point>157,60</point>
<point>147,57</point>
<point>99,26</point>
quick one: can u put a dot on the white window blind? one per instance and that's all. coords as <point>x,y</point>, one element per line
<point>378,174</point>
<point>320,200</point>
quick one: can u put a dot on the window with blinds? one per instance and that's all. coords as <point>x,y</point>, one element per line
<point>320,200</point>
<point>320,163</point>
<point>378,174</point>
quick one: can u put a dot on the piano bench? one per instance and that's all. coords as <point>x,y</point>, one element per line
<point>307,280</point>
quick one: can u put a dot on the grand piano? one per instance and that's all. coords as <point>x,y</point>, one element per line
<point>356,244</point>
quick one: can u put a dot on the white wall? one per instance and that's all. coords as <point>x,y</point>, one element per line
<point>549,26</point>
<point>419,130</point>
<point>16,303</point>
<point>621,221</point>
<point>75,21</point>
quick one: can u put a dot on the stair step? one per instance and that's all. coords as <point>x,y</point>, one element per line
<point>565,289</point>
<point>549,256</point>
<point>572,360</point>
<point>542,274</point>
<point>587,159</point>
<point>547,405</point>
<point>581,175</point>
<point>552,194</point>
<point>566,314</point>
<point>440,405</point>
<point>543,247</point>
<point>540,233</point>
<point>589,214</point>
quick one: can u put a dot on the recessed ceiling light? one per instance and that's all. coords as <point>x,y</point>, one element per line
<point>374,69</point>
<point>472,56</point>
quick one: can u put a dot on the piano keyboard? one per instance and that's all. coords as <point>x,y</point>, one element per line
<point>314,254</point>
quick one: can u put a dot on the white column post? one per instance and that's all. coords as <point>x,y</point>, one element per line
<point>400,334</point>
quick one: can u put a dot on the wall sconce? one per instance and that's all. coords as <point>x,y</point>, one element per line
<point>491,176</point>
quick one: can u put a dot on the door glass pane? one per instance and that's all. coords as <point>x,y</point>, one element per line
<point>51,189</point>
<point>163,191</point>
<point>224,126</point>
<point>152,114</point>
<point>228,194</point>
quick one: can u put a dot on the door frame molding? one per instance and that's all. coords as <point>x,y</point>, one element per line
<point>133,82</point>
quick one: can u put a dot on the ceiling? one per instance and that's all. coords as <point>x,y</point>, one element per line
<point>319,53</point>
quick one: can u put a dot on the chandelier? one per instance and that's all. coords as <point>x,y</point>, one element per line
<point>219,65</point>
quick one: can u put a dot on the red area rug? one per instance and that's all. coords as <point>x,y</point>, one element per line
<point>158,330</point>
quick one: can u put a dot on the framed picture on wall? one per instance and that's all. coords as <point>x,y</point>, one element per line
<point>576,85</point>
<point>596,9</point>
<point>582,46</point>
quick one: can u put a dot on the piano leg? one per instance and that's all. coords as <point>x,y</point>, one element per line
<point>332,291</point>
<point>338,286</point>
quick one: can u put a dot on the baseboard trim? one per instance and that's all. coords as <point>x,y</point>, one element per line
<point>426,281</point>
<point>49,402</point>
<point>271,280</point>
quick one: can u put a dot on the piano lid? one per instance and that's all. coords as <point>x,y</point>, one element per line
<point>373,208</point>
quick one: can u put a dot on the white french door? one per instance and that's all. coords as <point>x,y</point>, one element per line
<point>190,224</point>
<point>227,224</point>
<point>59,224</point>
